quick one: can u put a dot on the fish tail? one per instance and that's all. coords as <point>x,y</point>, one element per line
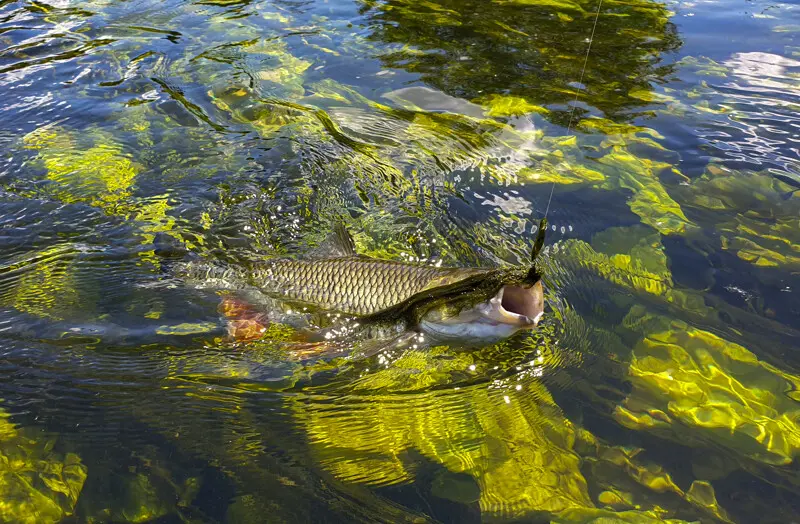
<point>202,274</point>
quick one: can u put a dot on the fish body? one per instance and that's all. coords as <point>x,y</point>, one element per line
<point>447,303</point>
<point>357,286</point>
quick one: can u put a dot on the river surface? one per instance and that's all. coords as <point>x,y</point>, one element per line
<point>661,139</point>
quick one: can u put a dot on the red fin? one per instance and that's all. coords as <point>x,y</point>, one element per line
<point>244,321</point>
<point>303,351</point>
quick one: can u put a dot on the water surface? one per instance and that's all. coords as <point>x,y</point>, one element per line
<point>662,384</point>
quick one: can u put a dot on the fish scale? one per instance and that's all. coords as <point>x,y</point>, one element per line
<point>352,285</point>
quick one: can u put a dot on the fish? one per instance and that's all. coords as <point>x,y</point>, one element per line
<point>449,304</point>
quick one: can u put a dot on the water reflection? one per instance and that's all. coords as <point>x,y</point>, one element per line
<point>475,50</point>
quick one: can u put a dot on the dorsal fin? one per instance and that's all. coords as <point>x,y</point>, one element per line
<point>343,241</point>
<point>338,243</point>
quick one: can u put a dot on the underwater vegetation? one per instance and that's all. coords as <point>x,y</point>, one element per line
<point>507,447</point>
<point>37,484</point>
<point>718,389</point>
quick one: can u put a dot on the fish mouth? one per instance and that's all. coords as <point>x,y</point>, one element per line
<point>517,305</point>
<point>511,309</point>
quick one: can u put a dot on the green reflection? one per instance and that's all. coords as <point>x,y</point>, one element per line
<point>533,50</point>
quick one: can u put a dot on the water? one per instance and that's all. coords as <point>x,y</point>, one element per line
<point>662,383</point>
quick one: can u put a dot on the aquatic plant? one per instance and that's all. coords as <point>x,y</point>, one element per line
<point>754,212</point>
<point>763,243</point>
<point>618,473</point>
<point>632,257</point>
<point>150,487</point>
<point>37,485</point>
<point>649,199</point>
<point>460,431</point>
<point>100,175</point>
<point>92,169</point>
<point>507,446</point>
<point>693,385</point>
<point>44,283</point>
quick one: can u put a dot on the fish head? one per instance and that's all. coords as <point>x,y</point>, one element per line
<point>512,308</point>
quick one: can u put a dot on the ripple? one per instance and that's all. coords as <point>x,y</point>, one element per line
<point>759,124</point>
<point>367,435</point>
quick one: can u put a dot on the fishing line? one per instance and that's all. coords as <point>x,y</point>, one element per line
<point>577,92</point>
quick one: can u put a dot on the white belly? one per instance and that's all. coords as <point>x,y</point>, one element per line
<point>475,332</point>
